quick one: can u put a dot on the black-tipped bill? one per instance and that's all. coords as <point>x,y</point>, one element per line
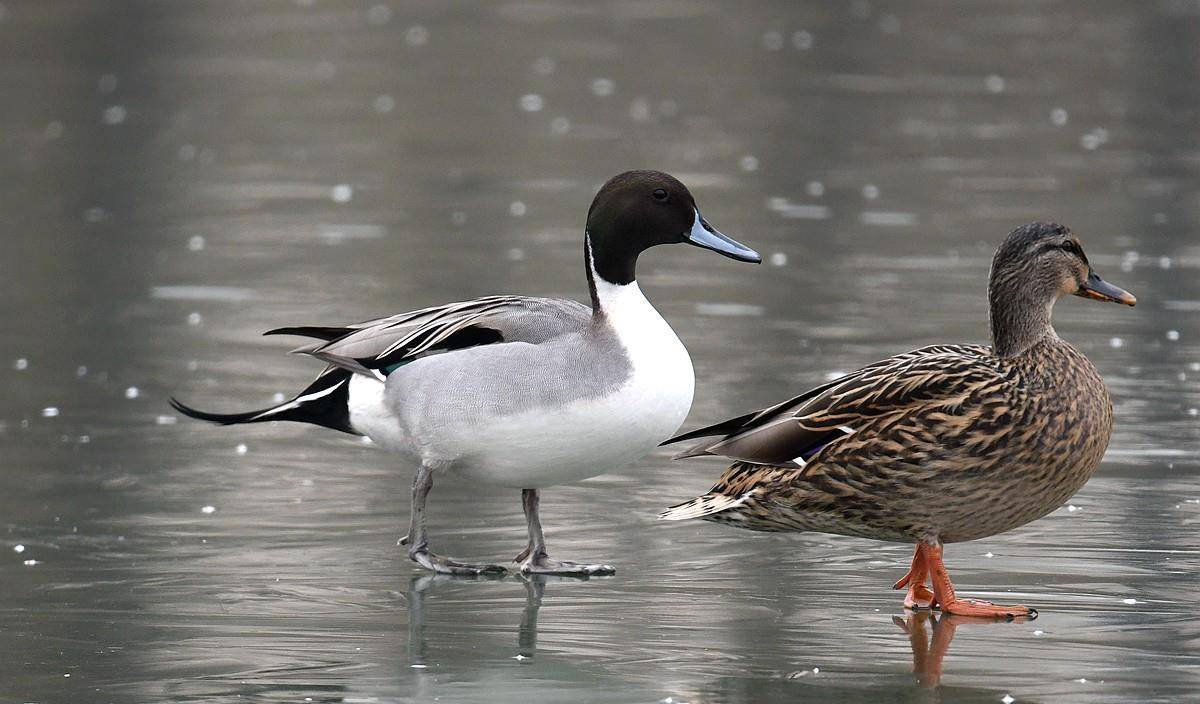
<point>707,236</point>
<point>1098,289</point>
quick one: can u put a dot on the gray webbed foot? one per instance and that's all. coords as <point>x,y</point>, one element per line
<point>541,564</point>
<point>446,565</point>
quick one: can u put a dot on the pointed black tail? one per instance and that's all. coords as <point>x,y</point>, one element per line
<point>325,402</point>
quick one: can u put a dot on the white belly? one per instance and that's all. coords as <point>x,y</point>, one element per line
<point>583,439</point>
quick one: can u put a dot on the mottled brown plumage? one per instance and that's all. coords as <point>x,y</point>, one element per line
<point>939,445</point>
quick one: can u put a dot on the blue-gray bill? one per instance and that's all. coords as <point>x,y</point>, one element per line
<point>1098,289</point>
<point>704,235</point>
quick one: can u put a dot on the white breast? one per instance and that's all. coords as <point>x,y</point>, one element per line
<point>594,435</point>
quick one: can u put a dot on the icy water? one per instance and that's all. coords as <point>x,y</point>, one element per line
<point>179,177</point>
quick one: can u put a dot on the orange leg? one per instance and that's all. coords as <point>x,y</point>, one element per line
<point>943,592</point>
<point>919,596</point>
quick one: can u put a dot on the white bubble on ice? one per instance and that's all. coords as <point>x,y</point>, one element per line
<point>1116,342</point>
<point>54,130</point>
<point>20,364</point>
<point>994,83</point>
<point>516,209</point>
<point>241,448</point>
<point>778,259</point>
<point>383,104</point>
<point>1072,508</point>
<point>639,110</point>
<point>416,35</point>
<point>194,319</point>
<point>816,189</point>
<point>870,191</point>
<point>18,549</point>
<point>1058,117</point>
<point>114,114</point>
<point>31,563</point>
<point>603,87</point>
<point>1129,600</point>
<point>1039,633</point>
<point>748,163</point>
<point>50,412</point>
<point>165,420</point>
<point>341,193</point>
<point>1164,263</point>
<point>278,397</point>
<point>458,218</point>
<point>1173,335</point>
<point>988,554</point>
<point>379,14</point>
<point>531,102</point>
<point>132,392</point>
<point>516,254</point>
<point>208,509</point>
<point>195,243</point>
<point>802,40</point>
<point>1007,699</point>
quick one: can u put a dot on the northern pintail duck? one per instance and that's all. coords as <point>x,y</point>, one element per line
<point>939,445</point>
<point>516,391</point>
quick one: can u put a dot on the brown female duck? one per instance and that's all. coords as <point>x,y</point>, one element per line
<point>939,445</point>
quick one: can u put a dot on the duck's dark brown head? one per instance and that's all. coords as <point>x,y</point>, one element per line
<point>1036,265</point>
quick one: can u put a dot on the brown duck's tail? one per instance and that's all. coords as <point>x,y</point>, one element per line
<point>701,506</point>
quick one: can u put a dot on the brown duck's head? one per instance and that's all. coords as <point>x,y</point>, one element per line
<point>1045,261</point>
<point>1035,266</point>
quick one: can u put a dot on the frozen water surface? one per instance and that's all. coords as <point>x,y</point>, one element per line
<point>174,180</point>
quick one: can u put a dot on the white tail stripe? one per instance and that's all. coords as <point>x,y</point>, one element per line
<point>299,400</point>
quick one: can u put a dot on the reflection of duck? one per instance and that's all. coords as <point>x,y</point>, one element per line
<point>929,651</point>
<point>527,632</point>
<point>943,444</point>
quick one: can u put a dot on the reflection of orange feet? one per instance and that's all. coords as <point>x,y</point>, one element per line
<point>919,596</point>
<point>943,591</point>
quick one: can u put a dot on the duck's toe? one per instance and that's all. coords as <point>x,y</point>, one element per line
<point>986,609</point>
<point>446,565</point>
<point>563,568</point>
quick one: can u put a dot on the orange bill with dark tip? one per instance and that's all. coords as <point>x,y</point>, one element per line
<point>1098,289</point>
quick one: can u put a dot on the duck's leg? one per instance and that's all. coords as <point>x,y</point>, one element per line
<point>418,540</point>
<point>533,558</point>
<point>943,592</point>
<point>919,596</point>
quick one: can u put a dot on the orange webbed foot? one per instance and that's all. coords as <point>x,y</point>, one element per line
<point>986,609</point>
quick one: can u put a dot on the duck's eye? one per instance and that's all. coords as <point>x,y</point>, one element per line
<point>660,194</point>
<point>1071,247</point>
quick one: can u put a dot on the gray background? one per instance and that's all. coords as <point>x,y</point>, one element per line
<point>170,187</point>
